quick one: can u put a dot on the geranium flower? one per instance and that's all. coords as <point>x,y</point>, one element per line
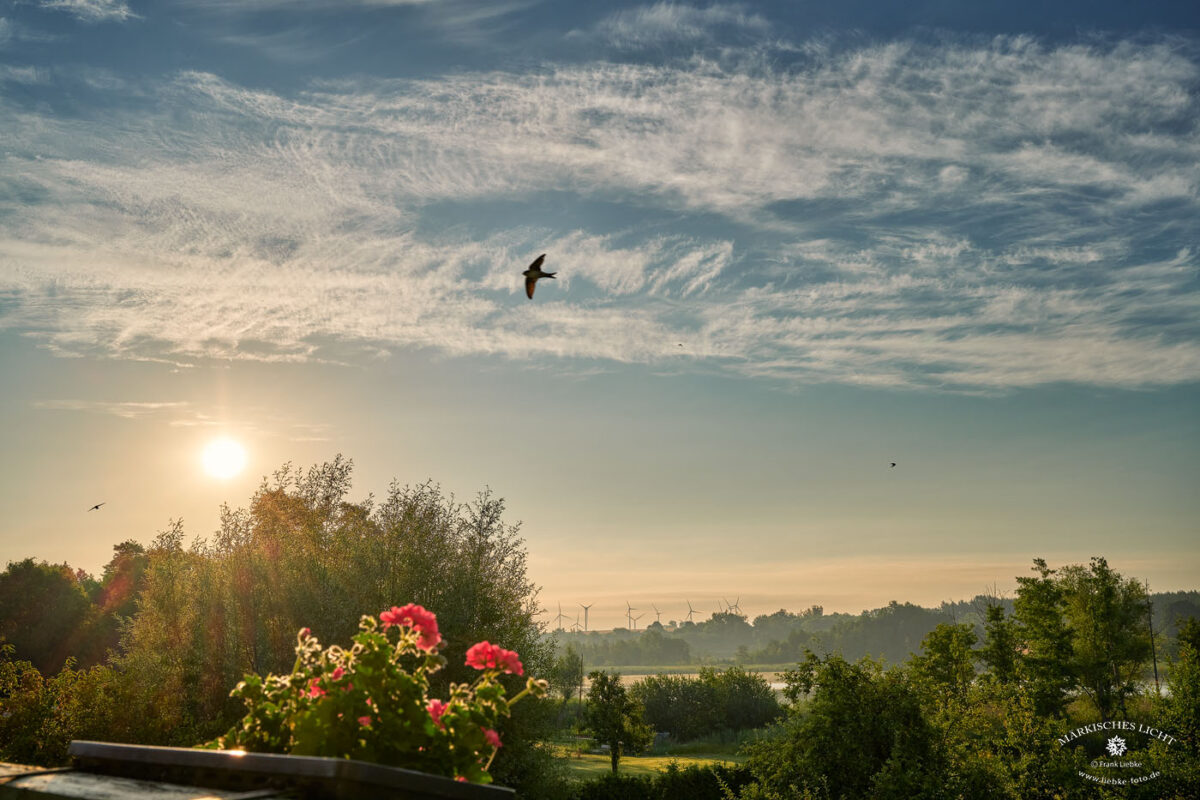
<point>492,737</point>
<point>486,655</point>
<point>415,617</point>
<point>314,690</point>
<point>436,708</point>
<point>364,721</point>
<point>337,673</point>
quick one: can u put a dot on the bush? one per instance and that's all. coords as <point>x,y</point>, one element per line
<point>674,783</point>
<point>714,701</point>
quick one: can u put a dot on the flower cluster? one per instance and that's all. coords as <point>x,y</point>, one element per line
<point>486,655</point>
<point>416,618</point>
<point>372,702</point>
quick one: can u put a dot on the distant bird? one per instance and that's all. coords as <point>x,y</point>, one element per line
<point>533,273</point>
<point>893,464</point>
<point>97,506</point>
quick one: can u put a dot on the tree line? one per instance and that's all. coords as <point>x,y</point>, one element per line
<point>891,633</point>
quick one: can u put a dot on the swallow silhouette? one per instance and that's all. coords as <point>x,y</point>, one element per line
<point>97,506</point>
<point>893,464</point>
<point>533,273</point>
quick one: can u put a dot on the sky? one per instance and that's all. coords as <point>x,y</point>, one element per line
<point>795,242</point>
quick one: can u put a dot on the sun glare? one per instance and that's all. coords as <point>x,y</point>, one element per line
<point>224,458</point>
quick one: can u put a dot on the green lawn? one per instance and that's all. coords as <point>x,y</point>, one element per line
<point>589,765</point>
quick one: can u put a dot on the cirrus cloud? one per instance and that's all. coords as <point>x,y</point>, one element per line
<point>961,215</point>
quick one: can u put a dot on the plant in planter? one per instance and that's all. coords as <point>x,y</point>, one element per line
<point>371,702</point>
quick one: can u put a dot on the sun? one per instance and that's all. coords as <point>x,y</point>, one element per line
<point>223,458</point>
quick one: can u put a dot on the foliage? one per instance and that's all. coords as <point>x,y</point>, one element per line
<point>1179,709</point>
<point>714,701</point>
<point>372,702</point>
<point>862,734</point>
<point>999,652</point>
<point>615,718</point>
<point>45,607</point>
<point>946,664</point>
<point>39,716</point>
<point>1045,666</point>
<point>566,674</point>
<point>1107,617</point>
<point>673,783</point>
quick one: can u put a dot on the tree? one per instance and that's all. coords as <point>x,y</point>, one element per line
<point>744,700</point>
<point>1179,709</point>
<point>999,652</point>
<point>947,662</point>
<point>1107,617</point>
<point>42,610</point>
<point>615,718</point>
<point>862,734</point>
<point>566,676</point>
<point>1045,639</point>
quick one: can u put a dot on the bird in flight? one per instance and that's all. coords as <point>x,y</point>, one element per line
<point>97,506</point>
<point>533,273</point>
<point>893,464</point>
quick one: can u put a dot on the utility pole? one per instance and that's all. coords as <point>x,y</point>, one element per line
<point>1153,647</point>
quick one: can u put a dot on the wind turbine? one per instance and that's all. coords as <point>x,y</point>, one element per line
<point>734,607</point>
<point>691,611</point>
<point>561,616</point>
<point>585,610</point>
<point>629,613</point>
<point>657,614</point>
<point>575,625</point>
<point>635,619</point>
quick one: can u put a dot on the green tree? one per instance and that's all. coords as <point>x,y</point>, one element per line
<point>1045,665</point>
<point>743,700</point>
<point>861,734</point>
<point>615,718</point>
<point>1107,618</point>
<point>1000,645</point>
<point>1179,710</point>
<point>43,608</point>
<point>947,662</point>
<point>566,676</point>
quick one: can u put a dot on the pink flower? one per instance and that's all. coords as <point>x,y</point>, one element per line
<point>486,655</point>
<point>364,721</point>
<point>436,708</point>
<point>338,673</point>
<point>415,617</point>
<point>305,633</point>
<point>313,689</point>
<point>462,778</point>
<point>492,737</point>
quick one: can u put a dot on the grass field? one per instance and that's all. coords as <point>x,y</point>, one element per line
<point>590,765</point>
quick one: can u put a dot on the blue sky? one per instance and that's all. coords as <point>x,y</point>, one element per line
<point>795,242</point>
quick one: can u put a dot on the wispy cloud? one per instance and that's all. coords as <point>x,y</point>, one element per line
<point>252,6</point>
<point>969,216</point>
<point>93,10</point>
<point>666,23</point>
<point>122,409</point>
<point>186,414</point>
